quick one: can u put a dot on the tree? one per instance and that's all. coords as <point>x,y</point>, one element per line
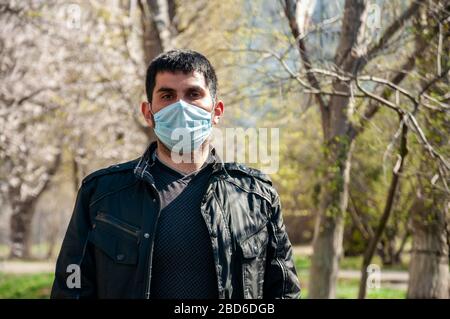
<point>336,102</point>
<point>29,156</point>
<point>73,75</point>
<point>429,265</point>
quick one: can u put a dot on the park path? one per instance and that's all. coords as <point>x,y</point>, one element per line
<point>28,267</point>
<point>395,279</point>
<point>22,267</point>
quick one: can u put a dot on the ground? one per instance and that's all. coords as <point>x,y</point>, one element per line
<point>19,279</point>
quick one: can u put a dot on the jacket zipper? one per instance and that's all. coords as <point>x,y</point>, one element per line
<point>150,255</point>
<point>117,224</point>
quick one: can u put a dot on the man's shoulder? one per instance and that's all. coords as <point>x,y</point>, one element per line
<point>238,169</point>
<point>111,171</point>
<point>251,180</point>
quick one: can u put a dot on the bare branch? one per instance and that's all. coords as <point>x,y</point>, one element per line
<point>393,28</point>
<point>289,10</point>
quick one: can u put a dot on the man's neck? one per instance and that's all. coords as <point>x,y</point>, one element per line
<point>191,162</point>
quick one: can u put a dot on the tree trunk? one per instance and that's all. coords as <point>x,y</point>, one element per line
<point>327,247</point>
<point>429,265</point>
<point>329,229</point>
<point>158,27</point>
<point>23,207</point>
<point>328,235</point>
<point>351,56</point>
<point>52,240</point>
<point>158,35</point>
<point>20,227</point>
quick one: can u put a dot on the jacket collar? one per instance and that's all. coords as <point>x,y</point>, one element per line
<point>142,169</point>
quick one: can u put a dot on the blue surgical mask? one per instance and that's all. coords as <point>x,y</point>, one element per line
<point>182,126</point>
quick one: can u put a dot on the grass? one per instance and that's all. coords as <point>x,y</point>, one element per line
<point>352,263</point>
<point>29,286</point>
<point>348,289</point>
<point>37,286</point>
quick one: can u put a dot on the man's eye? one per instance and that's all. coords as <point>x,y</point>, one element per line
<point>166,96</point>
<point>195,94</point>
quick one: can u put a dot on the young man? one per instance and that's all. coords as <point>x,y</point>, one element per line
<point>164,227</point>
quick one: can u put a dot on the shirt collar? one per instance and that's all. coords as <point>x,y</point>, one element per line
<point>142,168</point>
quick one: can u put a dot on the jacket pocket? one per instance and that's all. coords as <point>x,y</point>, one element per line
<point>115,238</point>
<point>254,250</point>
<point>255,244</point>
<point>117,223</point>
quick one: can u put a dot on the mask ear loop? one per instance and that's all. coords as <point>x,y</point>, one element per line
<point>150,108</point>
<point>153,114</point>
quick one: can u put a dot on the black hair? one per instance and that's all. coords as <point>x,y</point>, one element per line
<point>181,60</point>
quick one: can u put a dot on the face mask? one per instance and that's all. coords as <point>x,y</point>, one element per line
<point>182,126</point>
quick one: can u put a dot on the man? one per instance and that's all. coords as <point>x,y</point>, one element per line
<point>177,222</point>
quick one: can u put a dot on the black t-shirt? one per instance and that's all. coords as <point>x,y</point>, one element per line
<point>183,264</point>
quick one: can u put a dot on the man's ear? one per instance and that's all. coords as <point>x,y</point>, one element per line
<point>218,112</point>
<point>148,116</point>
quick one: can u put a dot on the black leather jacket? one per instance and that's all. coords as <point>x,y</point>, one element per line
<point>111,234</point>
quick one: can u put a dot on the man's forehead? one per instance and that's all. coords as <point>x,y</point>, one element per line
<point>179,78</point>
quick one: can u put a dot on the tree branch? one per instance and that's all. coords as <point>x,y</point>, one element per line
<point>289,10</point>
<point>391,30</point>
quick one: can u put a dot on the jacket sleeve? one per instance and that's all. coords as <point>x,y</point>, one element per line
<point>75,267</point>
<point>281,280</point>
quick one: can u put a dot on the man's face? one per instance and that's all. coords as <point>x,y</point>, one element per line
<point>172,87</point>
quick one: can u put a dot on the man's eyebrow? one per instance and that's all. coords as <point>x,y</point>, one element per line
<point>165,89</point>
<point>196,87</point>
